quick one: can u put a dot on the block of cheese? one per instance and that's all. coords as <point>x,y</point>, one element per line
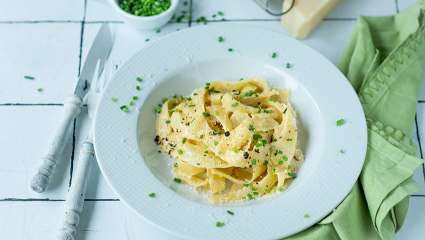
<point>305,15</point>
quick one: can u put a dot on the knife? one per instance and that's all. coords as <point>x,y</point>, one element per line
<point>99,52</point>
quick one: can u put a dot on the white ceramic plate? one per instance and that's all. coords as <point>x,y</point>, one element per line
<point>182,61</point>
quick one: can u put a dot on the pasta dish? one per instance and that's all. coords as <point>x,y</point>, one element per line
<point>233,140</point>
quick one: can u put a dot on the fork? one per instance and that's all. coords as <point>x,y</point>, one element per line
<point>77,192</point>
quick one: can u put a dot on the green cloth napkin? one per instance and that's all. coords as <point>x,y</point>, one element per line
<point>384,63</point>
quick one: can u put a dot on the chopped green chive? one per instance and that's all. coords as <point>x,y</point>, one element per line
<point>124,108</point>
<point>138,88</point>
<point>215,143</point>
<point>261,143</point>
<point>180,152</point>
<point>220,13</point>
<point>139,79</point>
<point>340,122</point>
<point>40,89</point>
<point>114,99</point>
<point>219,224</point>
<point>220,39</point>
<point>230,212</point>
<point>274,55</point>
<point>167,121</point>
<point>292,174</point>
<point>147,39</point>
<point>184,140</point>
<point>251,128</point>
<point>158,30</point>
<point>177,180</point>
<point>235,104</point>
<point>152,195</point>
<point>131,103</point>
<point>230,50</point>
<point>280,162</point>
<point>256,136</point>
<point>205,114</point>
<point>253,161</point>
<point>201,136</point>
<point>342,151</point>
<point>29,77</point>
<point>288,65</point>
<point>249,93</point>
<point>306,215</point>
<point>144,8</point>
<point>202,19</point>
<point>135,98</point>
<point>158,109</point>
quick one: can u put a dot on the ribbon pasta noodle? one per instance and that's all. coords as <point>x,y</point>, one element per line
<point>234,140</point>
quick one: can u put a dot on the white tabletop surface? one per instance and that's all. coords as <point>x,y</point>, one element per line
<point>49,40</point>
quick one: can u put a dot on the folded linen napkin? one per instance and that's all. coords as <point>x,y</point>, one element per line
<point>384,63</point>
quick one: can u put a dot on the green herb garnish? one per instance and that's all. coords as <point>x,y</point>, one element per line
<point>230,212</point>
<point>167,121</point>
<point>184,140</point>
<point>219,224</point>
<point>202,19</point>
<point>292,174</point>
<point>256,136</point>
<point>138,88</point>
<point>152,195</point>
<point>40,89</point>
<point>274,55</point>
<point>179,151</point>
<point>205,114</point>
<point>177,180</point>
<point>261,143</point>
<point>124,108</point>
<point>306,215</point>
<point>114,99</point>
<point>249,93</point>
<point>253,161</point>
<point>288,65</point>
<point>139,79</point>
<point>29,77</point>
<point>251,128</point>
<point>215,143</point>
<point>144,8</point>
<point>220,39</point>
<point>235,104</point>
<point>230,50</point>
<point>340,122</point>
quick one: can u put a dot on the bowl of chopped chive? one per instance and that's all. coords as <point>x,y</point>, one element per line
<point>145,14</point>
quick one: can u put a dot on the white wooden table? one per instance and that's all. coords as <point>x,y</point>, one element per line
<point>49,40</point>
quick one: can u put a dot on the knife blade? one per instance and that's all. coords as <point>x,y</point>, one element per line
<point>99,51</point>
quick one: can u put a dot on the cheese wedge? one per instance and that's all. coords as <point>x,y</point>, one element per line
<point>305,15</point>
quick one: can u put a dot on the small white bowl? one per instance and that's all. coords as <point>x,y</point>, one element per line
<point>146,22</point>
